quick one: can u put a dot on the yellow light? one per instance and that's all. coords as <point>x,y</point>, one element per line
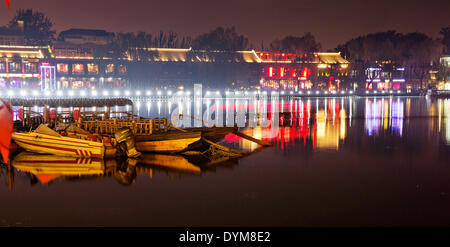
<point>321,66</point>
<point>344,66</point>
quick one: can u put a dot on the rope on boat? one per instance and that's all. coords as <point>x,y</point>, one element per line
<point>230,150</point>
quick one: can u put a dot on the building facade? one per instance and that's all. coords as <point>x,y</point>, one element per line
<point>385,76</point>
<point>288,71</point>
<point>20,66</point>
<point>49,69</point>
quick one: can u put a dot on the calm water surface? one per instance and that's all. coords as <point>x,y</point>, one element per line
<point>334,162</point>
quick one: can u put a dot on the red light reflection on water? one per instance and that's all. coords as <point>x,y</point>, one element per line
<point>323,126</point>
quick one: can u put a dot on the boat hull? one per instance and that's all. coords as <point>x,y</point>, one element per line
<point>63,146</point>
<point>168,142</point>
<point>6,123</point>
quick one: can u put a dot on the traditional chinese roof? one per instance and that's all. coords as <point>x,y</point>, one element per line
<point>318,57</point>
<point>330,57</point>
<point>169,54</point>
<point>24,51</point>
<point>189,55</point>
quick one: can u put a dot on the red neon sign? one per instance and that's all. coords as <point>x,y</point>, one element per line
<point>8,2</point>
<point>306,72</point>
<point>270,71</point>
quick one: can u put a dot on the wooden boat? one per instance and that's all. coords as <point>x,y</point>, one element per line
<point>178,140</point>
<point>6,123</point>
<point>167,142</point>
<point>48,167</point>
<point>45,140</point>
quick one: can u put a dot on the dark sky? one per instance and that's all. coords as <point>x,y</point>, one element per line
<point>331,21</point>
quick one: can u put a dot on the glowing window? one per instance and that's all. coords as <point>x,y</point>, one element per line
<point>63,68</point>
<point>14,67</point>
<point>77,69</point>
<point>92,69</point>
<point>30,68</point>
<point>110,68</point>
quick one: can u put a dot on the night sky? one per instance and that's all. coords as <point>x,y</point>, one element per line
<point>331,21</point>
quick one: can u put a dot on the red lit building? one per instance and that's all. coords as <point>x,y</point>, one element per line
<point>288,71</point>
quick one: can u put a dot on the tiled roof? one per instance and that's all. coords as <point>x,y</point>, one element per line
<point>189,55</point>
<point>330,57</point>
<point>91,32</point>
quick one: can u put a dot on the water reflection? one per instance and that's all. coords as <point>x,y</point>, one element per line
<point>384,114</point>
<point>47,169</point>
<point>377,161</point>
<point>326,124</point>
<point>323,123</point>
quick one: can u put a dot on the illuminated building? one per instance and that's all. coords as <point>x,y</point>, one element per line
<point>20,65</point>
<point>73,56</point>
<point>288,71</point>
<point>445,83</point>
<point>72,64</point>
<point>385,76</point>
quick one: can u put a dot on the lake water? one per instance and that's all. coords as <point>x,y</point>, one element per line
<point>334,162</point>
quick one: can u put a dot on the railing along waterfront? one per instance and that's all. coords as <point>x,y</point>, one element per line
<point>138,126</point>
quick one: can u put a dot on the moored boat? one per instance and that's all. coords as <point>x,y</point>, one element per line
<point>167,142</point>
<point>6,123</point>
<point>45,140</point>
<point>178,140</point>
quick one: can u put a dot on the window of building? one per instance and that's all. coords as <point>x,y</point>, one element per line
<point>63,68</point>
<point>77,84</point>
<point>92,69</point>
<point>2,68</point>
<point>77,69</point>
<point>122,69</point>
<point>14,67</point>
<point>30,68</point>
<point>110,68</point>
<point>65,84</point>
